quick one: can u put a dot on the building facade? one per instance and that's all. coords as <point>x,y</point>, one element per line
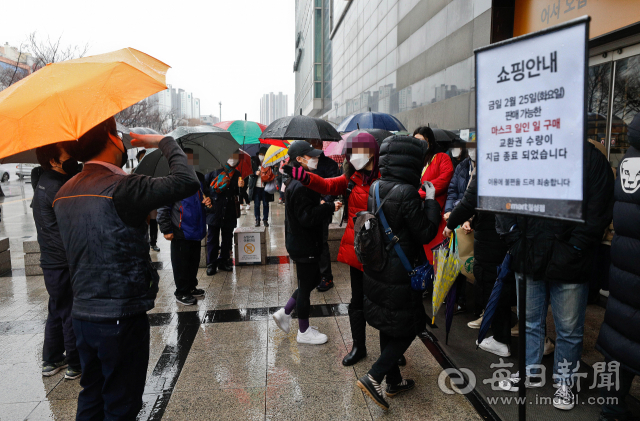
<point>410,58</point>
<point>183,104</point>
<point>273,107</point>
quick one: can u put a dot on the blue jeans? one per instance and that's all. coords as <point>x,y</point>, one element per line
<point>260,196</point>
<point>568,305</point>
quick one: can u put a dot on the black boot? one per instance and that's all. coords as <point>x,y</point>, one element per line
<point>358,333</point>
<point>225,264</point>
<point>212,270</point>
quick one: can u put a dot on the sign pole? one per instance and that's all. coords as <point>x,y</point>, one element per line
<point>522,319</point>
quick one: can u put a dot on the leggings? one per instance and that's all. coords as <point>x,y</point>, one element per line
<point>308,279</point>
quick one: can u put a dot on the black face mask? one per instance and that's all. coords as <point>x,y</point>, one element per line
<point>71,167</point>
<point>125,156</point>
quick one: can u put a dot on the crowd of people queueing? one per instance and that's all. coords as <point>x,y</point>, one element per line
<point>93,230</point>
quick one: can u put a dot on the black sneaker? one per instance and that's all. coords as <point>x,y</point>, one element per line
<point>325,285</point>
<point>72,373</point>
<point>187,299</point>
<point>49,369</point>
<point>402,361</point>
<point>266,223</point>
<point>460,309</point>
<point>226,265</point>
<point>372,389</point>
<point>257,223</point>
<point>155,248</point>
<point>197,292</point>
<point>403,386</point>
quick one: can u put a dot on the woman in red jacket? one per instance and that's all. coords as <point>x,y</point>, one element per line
<point>439,171</point>
<point>361,170</point>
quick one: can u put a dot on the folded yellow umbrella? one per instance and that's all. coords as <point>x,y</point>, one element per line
<point>63,101</point>
<point>274,155</point>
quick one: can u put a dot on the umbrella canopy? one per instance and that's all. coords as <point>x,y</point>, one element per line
<point>274,155</point>
<point>277,142</point>
<point>244,132</point>
<point>301,127</point>
<point>63,101</point>
<point>443,135</point>
<point>211,147</point>
<point>244,166</point>
<point>370,120</point>
<point>451,305</point>
<point>447,270</point>
<point>490,310</point>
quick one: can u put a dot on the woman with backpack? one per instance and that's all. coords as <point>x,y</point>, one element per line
<point>391,305</point>
<point>361,169</point>
<point>257,183</point>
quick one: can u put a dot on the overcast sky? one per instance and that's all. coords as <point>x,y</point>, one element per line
<point>230,51</point>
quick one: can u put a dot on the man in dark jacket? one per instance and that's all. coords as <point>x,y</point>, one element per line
<point>303,221</point>
<point>390,304</point>
<point>557,273</point>
<point>57,168</point>
<point>183,223</point>
<point>489,252</point>
<point>327,168</point>
<point>102,213</point>
<point>619,340</point>
<point>222,216</point>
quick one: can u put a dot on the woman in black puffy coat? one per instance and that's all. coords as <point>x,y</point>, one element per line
<point>390,304</point>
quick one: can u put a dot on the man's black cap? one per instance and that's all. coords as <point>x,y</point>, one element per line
<point>302,148</point>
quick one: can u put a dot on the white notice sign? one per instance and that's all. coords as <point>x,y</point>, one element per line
<point>249,247</point>
<point>530,96</point>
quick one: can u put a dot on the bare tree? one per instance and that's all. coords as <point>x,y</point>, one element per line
<point>52,51</point>
<point>146,113</point>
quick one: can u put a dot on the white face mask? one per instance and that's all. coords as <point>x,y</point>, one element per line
<point>233,162</point>
<point>455,152</point>
<point>359,160</point>
<point>472,154</point>
<point>312,163</point>
<point>261,158</point>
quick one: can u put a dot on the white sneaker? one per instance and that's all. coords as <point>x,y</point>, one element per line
<point>476,323</point>
<point>248,206</point>
<point>564,398</point>
<point>549,347</point>
<point>511,384</point>
<point>282,319</point>
<point>604,293</point>
<point>491,345</point>
<point>312,337</point>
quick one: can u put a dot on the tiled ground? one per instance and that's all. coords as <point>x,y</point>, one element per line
<point>223,359</point>
<point>237,370</point>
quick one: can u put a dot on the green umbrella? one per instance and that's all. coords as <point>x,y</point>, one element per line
<point>244,132</point>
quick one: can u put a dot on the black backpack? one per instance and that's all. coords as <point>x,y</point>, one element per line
<point>368,237</point>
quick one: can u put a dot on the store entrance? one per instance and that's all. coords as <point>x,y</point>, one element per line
<point>613,99</point>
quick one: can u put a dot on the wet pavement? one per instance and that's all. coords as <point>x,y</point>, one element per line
<point>224,358</point>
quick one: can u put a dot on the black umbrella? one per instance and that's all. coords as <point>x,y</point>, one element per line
<point>300,127</point>
<point>442,135</point>
<point>211,147</point>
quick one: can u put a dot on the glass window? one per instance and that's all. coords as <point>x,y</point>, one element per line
<point>599,79</point>
<point>626,104</point>
<point>318,90</point>
<point>317,39</point>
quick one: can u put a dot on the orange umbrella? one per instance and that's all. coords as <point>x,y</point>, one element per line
<point>63,101</point>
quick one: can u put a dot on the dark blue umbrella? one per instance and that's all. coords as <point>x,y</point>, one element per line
<point>370,120</point>
<point>490,310</point>
<point>451,306</point>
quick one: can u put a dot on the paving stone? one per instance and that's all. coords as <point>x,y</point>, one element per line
<point>31,246</point>
<point>31,259</point>
<point>33,270</point>
<point>4,244</point>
